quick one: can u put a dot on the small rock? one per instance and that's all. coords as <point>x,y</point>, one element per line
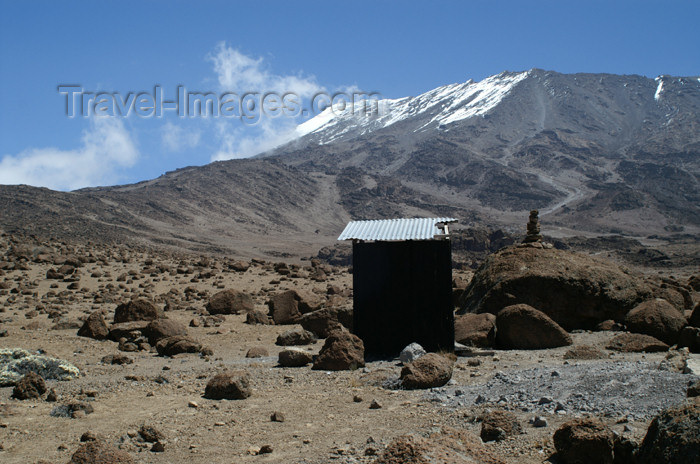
<point>375,405</point>
<point>277,417</point>
<point>411,353</point>
<point>538,421</point>
<point>265,449</point>
<point>158,447</point>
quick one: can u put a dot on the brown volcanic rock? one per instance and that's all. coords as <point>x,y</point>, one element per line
<point>287,307</point>
<point>297,336</point>
<point>690,337</point>
<point>177,344</point>
<point>498,425</point>
<point>341,351</point>
<point>136,310</point>
<point>99,452</point>
<point>228,385</point>
<point>475,329</point>
<point>94,327</point>
<point>125,329</point>
<point>673,437</point>
<point>428,371</point>
<point>30,386</point>
<point>522,327</point>
<point>294,357</point>
<point>321,322</point>
<point>163,328</point>
<point>446,447</point>
<point>575,290</point>
<point>636,343</point>
<point>657,318</point>
<point>230,302</point>
<point>694,319</point>
<point>257,317</point>
<point>584,441</point>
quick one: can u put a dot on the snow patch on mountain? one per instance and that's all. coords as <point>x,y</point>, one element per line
<point>659,88</point>
<point>440,106</point>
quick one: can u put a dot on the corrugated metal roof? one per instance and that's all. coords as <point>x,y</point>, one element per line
<point>394,229</point>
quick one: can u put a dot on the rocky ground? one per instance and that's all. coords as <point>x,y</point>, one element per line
<point>153,407</point>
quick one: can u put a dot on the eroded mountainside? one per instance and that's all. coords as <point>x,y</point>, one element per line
<point>595,153</point>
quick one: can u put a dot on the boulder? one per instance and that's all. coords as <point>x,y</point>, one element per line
<point>609,326</point>
<point>431,370</point>
<point>657,318</point>
<point>673,437</point>
<point>575,290</point>
<point>30,386</point>
<point>584,352</point>
<point>694,319</point>
<point>178,344</point>
<point>341,351</point>
<point>100,452</point>
<point>497,425</point>
<point>297,336</point>
<point>694,282</point>
<point>257,352</point>
<point>522,327</point>
<point>677,296</point>
<point>690,338</point>
<point>411,353</point>
<point>636,343</point>
<point>321,322</point>
<point>54,274</point>
<point>448,446</point>
<point>94,327</point>
<point>126,329</point>
<point>257,317</point>
<point>151,434</point>
<point>294,357</point>
<point>288,306</point>
<point>228,385</point>
<point>584,441</point>
<point>163,328</point>
<point>239,266</point>
<point>136,310</point>
<point>476,329</point>
<point>230,302</point>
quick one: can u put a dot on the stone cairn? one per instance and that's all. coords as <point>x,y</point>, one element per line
<point>533,228</point>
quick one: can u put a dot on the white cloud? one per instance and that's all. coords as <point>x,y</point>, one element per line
<point>239,73</point>
<point>106,146</point>
<point>268,135</point>
<point>177,138</point>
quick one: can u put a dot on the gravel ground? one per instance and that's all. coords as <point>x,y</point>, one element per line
<point>638,390</point>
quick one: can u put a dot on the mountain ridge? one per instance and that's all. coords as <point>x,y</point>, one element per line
<point>596,153</point>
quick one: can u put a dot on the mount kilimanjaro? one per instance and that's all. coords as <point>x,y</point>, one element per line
<point>595,153</point>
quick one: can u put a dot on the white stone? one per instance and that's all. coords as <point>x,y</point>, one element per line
<point>411,353</point>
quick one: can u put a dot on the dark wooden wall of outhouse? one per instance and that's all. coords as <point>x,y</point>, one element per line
<point>403,294</point>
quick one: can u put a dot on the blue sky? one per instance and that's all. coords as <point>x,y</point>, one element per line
<point>393,48</point>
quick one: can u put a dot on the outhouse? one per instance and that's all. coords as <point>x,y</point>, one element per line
<point>402,284</point>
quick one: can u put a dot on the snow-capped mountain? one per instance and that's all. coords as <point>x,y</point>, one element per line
<point>595,153</point>
<point>438,107</point>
